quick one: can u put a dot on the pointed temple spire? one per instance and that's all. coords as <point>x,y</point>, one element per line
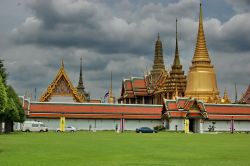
<point>80,82</point>
<point>177,76</point>
<point>158,66</point>
<point>110,92</point>
<point>176,57</point>
<point>201,52</point>
<point>80,87</point>
<point>226,99</point>
<point>111,98</point>
<point>201,80</point>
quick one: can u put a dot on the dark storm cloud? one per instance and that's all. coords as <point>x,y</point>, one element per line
<point>229,36</point>
<point>85,24</point>
<point>240,6</point>
<point>119,36</point>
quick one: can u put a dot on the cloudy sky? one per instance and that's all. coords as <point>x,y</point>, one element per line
<point>118,36</point>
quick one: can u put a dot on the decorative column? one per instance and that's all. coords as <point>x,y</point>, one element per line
<point>201,126</point>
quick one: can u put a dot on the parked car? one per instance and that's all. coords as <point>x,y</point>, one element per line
<point>67,129</point>
<point>29,126</point>
<point>145,130</point>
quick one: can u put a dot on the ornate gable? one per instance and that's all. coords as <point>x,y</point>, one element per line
<point>184,108</point>
<point>246,97</point>
<point>62,86</point>
<point>195,109</point>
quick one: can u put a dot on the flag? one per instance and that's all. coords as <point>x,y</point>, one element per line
<point>106,95</point>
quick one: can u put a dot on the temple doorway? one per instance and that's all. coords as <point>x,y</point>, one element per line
<point>192,125</point>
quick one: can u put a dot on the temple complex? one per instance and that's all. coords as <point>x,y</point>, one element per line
<point>201,79</point>
<point>141,90</point>
<point>159,83</point>
<point>175,84</point>
<point>171,100</point>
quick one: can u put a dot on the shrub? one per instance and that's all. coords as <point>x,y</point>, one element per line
<point>159,128</point>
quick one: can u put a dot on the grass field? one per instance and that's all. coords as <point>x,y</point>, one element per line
<point>126,149</point>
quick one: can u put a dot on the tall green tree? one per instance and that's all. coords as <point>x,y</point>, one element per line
<point>3,72</point>
<point>11,109</point>
<point>3,102</point>
<point>10,115</point>
<point>18,106</point>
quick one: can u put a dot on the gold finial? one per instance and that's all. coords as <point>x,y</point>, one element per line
<point>62,64</point>
<point>111,99</point>
<point>226,98</point>
<point>176,58</point>
<point>201,52</point>
<point>176,26</point>
<point>225,94</point>
<point>111,84</point>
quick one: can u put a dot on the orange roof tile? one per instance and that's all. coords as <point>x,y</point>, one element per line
<point>96,110</point>
<point>228,109</point>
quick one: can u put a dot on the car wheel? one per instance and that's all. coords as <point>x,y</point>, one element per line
<point>41,131</point>
<point>27,131</point>
<point>72,131</point>
<point>140,131</point>
<point>57,131</point>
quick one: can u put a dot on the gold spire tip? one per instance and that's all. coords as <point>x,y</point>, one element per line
<point>62,63</point>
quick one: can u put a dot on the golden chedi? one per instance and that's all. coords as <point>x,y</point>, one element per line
<point>201,79</point>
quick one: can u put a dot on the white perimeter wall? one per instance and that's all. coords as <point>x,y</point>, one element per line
<point>219,125</point>
<point>226,125</point>
<point>98,124</point>
<point>178,122</point>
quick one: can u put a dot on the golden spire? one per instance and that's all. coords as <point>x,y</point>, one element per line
<point>226,98</point>
<point>158,65</point>
<point>201,80</point>
<point>176,57</point>
<point>111,98</point>
<point>110,93</point>
<point>201,52</point>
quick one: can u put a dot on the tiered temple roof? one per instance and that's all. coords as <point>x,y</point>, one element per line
<point>177,80</point>
<point>158,66</point>
<point>134,87</point>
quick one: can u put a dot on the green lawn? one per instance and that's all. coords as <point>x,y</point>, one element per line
<point>127,149</point>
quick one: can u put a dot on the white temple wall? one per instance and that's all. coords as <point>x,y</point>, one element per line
<point>242,125</point>
<point>218,125</point>
<point>176,124</point>
<point>98,124</point>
